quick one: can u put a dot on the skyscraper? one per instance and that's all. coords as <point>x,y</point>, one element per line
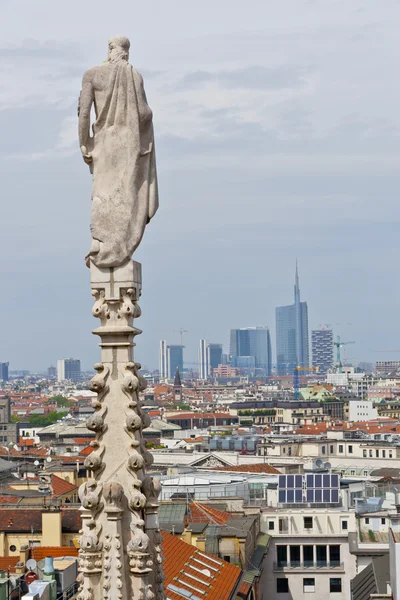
<point>69,369</point>
<point>214,355</point>
<point>164,370</point>
<point>204,362</point>
<point>292,334</point>
<point>255,342</point>
<point>322,349</point>
<point>175,359</point>
<point>4,371</point>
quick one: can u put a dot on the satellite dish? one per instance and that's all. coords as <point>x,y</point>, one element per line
<point>31,564</point>
<point>36,463</point>
<point>319,463</point>
<point>48,459</point>
<point>328,465</point>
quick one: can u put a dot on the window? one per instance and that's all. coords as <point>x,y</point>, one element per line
<point>323,449</point>
<point>365,473</point>
<point>281,556</point>
<point>13,548</point>
<point>364,453</point>
<point>390,454</point>
<point>271,525</point>
<point>334,556</point>
<point>352,472</point>
<point>282,585</point>
<point>308,556</point>
<point>383,453</point>
<point>308,522</point>
<point>366,520</point>
<point>294,556</point>
<point>331,449</point>
<point>335,585</point>
<point>350,448</point>
<point>309,584</point>
<point>383,521</point>
<point>227,558</point>
<point>370,453</point>
<point>377,453</point>
<point>321,556</point>
<point>340,449</point>
<point>344,524</point>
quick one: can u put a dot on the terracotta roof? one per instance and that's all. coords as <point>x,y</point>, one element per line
<point>201,513</point>
<point>86,451</point>
<point>9,499</point>
<point>179,560</point>
<point>255,468</point>
<point>40,552</point>
<point>23,520</point>
<point>8,562</point>
<point>61,487</point>
<point>83,440</point>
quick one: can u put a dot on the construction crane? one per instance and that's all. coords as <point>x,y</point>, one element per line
<point>296,379</point>
<point>339,344</point>
<point>181,332</point>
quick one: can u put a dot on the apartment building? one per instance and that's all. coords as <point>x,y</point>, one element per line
<point>308,553</point>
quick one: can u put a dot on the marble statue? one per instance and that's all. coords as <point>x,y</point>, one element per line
<point>120,155</point>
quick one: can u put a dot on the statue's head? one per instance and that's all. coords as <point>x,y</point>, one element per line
<point>118,48</point>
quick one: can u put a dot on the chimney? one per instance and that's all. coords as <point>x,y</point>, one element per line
<point>51,528</point>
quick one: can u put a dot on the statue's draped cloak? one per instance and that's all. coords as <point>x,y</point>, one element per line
<point>125,195</point>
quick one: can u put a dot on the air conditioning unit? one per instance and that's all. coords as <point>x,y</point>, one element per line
<point>31,597</point>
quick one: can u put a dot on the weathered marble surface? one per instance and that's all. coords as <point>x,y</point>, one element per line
<point>120,155</point>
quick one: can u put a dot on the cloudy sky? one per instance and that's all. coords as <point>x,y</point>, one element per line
<point>277,132</point>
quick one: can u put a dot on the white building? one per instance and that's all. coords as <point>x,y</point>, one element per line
<point>164,360</point>
<point>204,360</point>
<point>362,410</point>
<point>309,555</point>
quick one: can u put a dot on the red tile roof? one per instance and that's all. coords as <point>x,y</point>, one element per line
<point>40,552</point>
<point>201,513</point>
<point>86,451</point>
<point>24,520</point>
<point>61,487</point>
<point>254,468</point>
<point>8,562</point>
<point>179,560</point>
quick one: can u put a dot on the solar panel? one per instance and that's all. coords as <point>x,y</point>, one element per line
<point>312,488</point>
<point>290,489</point>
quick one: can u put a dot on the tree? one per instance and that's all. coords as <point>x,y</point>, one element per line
<point>44,420</point>
<point>61,401</point>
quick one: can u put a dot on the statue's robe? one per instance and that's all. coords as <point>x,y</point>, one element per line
<point>125,194</point>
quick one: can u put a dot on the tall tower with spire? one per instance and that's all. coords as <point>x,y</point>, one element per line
<point>292,333</point>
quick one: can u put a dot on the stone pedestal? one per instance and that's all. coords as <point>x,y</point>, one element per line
<point>120,546</point>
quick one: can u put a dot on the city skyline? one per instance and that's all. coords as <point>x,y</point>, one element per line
<point>318,180</point>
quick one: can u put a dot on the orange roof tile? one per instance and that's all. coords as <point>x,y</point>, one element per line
<point>179,560</point>
<point>61,487</point>
<point>8,562</point>
<point>40,552</point>
<point>201,513</point>
<point>86,451</point>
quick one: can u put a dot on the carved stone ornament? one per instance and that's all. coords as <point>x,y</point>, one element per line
<point>90,494</point>
<point>113,493</point>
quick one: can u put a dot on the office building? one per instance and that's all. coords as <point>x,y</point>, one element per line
<point>204,363</point>
<point>387,366</point>
<point>292,334</point>
<point>322,350</point>
<point>175,359</point>
<point>52,373</point>
<point>8,430</point>
<point>210,357</point>
<point>4,371</point>
<point>69,369</point>
<point>164,368</point>
<point>255,342</point>
<point>215,355</point>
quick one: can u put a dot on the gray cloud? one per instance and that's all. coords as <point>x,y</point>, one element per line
<point>252,77</point>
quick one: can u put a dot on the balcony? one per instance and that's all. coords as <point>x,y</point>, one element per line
<point>333,565</point>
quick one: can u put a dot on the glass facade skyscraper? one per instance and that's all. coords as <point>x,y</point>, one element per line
<point>255,342</point>
<point>175,359</point>
<point>292,348</point>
